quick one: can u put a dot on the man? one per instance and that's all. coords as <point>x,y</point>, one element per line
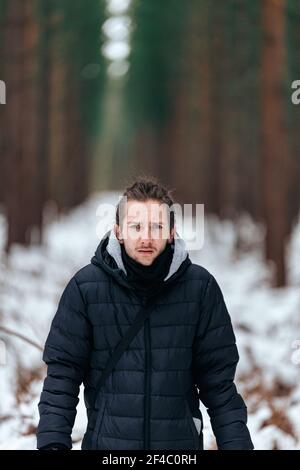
<point>150,400</point>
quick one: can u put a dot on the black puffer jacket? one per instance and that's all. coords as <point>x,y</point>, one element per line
<point>150,400</point>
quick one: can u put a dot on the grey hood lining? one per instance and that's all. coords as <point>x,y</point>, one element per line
<point>179,255</point>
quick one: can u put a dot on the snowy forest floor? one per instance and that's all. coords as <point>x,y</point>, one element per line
<point>266,321</point>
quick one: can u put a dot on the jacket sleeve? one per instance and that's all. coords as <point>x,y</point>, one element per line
<point>215,358</point>
<point>66,353</point>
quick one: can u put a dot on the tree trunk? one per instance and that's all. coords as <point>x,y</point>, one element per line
<point>274,136</point>
<point>21,167</point>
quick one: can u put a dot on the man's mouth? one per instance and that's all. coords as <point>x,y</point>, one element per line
<point>145,252</point>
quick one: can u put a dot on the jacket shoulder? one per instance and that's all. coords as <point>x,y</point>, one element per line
<point>210,286</point>
<point>197,278</point>
<point>90,273</point>
<point>198,272</point>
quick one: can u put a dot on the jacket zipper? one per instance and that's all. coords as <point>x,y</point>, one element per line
<point>147,384</point>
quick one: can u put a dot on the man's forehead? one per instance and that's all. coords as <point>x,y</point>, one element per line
<point>135,207</point>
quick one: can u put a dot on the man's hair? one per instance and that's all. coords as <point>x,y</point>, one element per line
<point>143,189</point>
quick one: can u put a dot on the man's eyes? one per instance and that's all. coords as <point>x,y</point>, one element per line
<point>136,226</point>
<point>154,226</point>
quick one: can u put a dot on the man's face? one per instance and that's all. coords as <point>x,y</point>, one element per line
<point>144,230</point>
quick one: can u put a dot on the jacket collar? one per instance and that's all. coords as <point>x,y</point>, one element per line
<point>108,257</point>
<point>179,255</point>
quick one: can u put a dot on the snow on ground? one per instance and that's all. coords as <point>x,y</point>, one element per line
<point>266,321</point>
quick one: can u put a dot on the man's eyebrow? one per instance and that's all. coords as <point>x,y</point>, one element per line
<point>138,222</point>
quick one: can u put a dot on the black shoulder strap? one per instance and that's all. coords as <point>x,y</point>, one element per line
<point>133,330</point>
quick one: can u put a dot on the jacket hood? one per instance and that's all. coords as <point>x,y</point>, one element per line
<point>108,256</point>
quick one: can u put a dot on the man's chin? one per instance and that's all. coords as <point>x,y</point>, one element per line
<point>144,261</point>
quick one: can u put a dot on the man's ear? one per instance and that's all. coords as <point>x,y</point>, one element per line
<point>117,230</point>
<point>172,235</point>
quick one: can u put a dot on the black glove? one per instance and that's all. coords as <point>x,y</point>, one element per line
<point>54,446</point>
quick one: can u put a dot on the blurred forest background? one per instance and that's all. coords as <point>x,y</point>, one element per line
<point>196,93</point>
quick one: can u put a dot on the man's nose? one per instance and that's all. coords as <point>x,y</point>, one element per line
<point>146,234</point>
